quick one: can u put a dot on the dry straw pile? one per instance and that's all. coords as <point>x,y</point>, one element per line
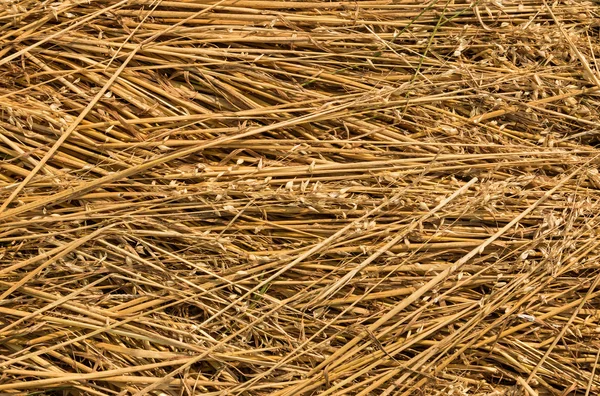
<point>252,197</point>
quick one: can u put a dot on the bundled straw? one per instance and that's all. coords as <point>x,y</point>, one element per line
<point>251,197</point>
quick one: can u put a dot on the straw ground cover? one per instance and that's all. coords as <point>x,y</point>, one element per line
<point>250,197</point>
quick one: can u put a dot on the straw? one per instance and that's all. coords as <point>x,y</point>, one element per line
<point>251,197</point>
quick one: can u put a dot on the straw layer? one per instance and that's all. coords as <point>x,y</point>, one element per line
<point>249,197</point>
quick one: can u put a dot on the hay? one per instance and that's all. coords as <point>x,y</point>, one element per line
<point>251,197</point>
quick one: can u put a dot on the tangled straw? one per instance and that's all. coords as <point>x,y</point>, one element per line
<point>254,197</point>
